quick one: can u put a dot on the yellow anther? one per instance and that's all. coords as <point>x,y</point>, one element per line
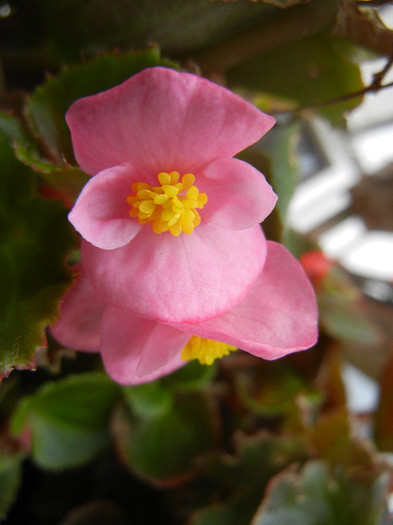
<point>164,178</point>
<point>170,191</point>
<point>188,180</point>
<point>170,207</point>
<point>205,350</point>
<point>146,207</point>
<point>192,193</point>
<point>161,199</point>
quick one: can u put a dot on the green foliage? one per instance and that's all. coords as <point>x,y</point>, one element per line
<point>275,394</point>
<point>315,495</point>
<point>149,400</point>
<point>67,419</point>
<point>263,482</point>
<point>166,426</point>
<point>277,158</point>
<point>10,478</point>
<point>309,72</point>
<point>35,239</point>
<point>193,376</point>
<point>236,511</point>
<point>284,165</point>
<point>164,449</point>
<point>343,311</point>
<point>67,180</point>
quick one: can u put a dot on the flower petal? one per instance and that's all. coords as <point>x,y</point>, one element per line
<point>136,350</point>
<point>101,212</point>
<point>188,278</point>
<point>80,318</point>
<point>162,120</point>
<point>278,316</point>
<point>238,195</point>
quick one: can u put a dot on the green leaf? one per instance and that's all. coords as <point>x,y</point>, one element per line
<point>309,72</point>
<point>277,158</point>
<point>149,400</point>
<point>270,453</point>
<point>345,319</point>
<point>68,419</point>
<point>237,510</point>
<point>344,312</point>
<point>35,238</point>
<point>271,391</point>
<point>193,376</point>
<point>67,180</point>
<point>10,479</point>
<point>259,157</point>
<point>245,476</point>
<point>156,398</point>
<point>284,164</point>
<point>164,448</point>
<point>316,496</point>
<point>47,106</point>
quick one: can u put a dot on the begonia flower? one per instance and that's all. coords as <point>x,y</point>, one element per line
<point>277,316</point>
<point>170,220</point>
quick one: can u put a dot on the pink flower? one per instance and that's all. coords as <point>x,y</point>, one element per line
<point>170,219</point>
<point>172,252</point>
<point>277,316</point>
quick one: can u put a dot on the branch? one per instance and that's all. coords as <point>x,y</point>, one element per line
<point>368,89</point>
<point>378,77</point>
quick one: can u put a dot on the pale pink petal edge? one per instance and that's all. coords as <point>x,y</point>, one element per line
<point>101,212</point>
<point>136,350</point>
<point>238,195</point>
<point>277,317</point>
<point>80,315</point>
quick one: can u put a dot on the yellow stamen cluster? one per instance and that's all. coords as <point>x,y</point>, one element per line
<point>205,350</point>
<point>169,207</point>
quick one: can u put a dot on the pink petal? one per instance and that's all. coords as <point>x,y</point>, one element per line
<point>80,318</point>
<point>136,350</point>
<point>163,120</point>
<point>101,212</point>
<point>278,316</point>
<point>188,278</point>
<point>238,195</point>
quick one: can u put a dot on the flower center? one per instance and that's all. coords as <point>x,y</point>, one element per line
<point>205,350</point>
<point>171,206</point>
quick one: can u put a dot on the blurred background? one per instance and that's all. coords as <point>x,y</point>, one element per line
<point>307,439</point>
